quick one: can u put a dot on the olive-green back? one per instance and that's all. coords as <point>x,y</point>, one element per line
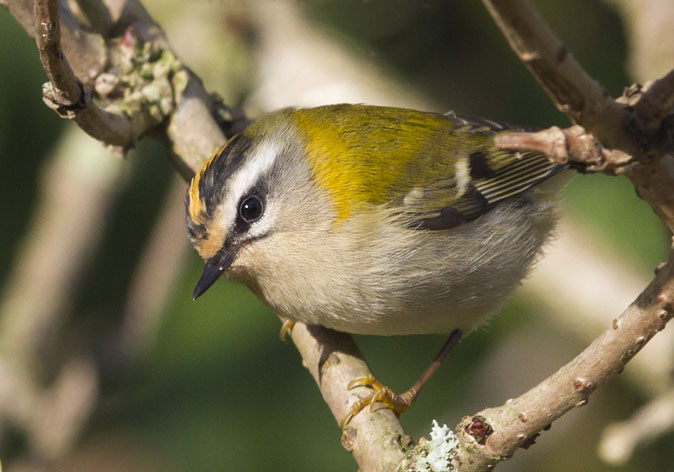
<point>444,168</point>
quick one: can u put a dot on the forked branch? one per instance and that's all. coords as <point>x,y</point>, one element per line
<point>631,135</point>
<point>617,136</point>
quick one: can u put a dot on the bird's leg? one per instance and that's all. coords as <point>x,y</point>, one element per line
<point>399,403</point>
<point>286,328</point>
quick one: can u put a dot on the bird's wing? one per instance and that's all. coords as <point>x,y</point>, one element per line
<point>481,176</point>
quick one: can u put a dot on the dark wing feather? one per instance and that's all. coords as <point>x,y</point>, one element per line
<point>483,176</point>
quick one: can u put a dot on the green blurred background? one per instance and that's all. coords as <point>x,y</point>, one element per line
<point>216,390</point>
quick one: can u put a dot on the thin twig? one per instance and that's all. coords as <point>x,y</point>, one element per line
<point>586,102</point>
<point>613,285</point>
<point>68,90</point>
<point>519,421</point>
<point>574,146</point>
<point>332,358</point>
<point>65,93</point>
<point>573,91</point>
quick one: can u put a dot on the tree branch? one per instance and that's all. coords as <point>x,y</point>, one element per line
<point>517,423</point>
<point>64,93</point>
<point>496,433</point>
<point>651,168</point>
<point>574,146</point>
<point>571,89</point>
<point>378,441</point>
<point>586,102</point>
<point>192,133</point>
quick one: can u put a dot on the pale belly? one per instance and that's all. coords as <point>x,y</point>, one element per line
<point>403,283</point>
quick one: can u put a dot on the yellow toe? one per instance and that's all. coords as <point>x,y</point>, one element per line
<point>286,328</point>
<point>380,394</point>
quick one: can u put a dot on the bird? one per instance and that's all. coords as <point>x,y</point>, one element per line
<point>374,220</point>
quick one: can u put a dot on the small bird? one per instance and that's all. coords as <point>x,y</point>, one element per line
<point>373,220</point>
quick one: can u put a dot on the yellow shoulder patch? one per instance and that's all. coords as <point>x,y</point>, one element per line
<point>365,155</point>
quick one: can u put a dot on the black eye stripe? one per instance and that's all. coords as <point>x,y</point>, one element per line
<point>224,165</point>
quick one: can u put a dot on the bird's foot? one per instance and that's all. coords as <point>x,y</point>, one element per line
<point>399,403</point>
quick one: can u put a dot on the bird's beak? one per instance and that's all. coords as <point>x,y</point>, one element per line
<point>215,267</point>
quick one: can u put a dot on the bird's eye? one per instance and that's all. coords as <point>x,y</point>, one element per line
<point>251,209</point>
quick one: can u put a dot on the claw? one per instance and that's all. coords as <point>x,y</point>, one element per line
<point>346,420</point>
<point>381,394</point>
<point>367,381</point>
<point>286,328</point>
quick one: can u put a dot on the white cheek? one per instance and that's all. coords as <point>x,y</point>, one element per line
<point>262,226</point>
